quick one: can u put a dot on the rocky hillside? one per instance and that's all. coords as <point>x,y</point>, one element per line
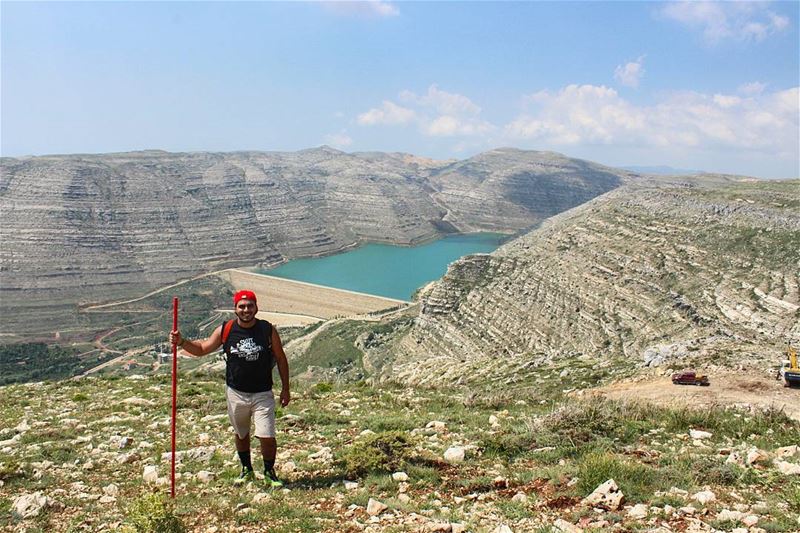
<point>697,271</point>
<point>93,455</point>
<point>93,228</point>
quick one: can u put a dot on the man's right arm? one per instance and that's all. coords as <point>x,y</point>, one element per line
<point>198,348</point>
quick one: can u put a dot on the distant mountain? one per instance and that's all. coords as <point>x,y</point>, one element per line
<point>80,229</point>
<point>663,170</point>
<point>649,274</point>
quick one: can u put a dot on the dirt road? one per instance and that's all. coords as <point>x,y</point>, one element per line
<point>745,388</point>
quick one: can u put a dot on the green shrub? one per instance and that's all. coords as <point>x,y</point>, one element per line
<point>511,442</point>
<point>793,498</point>
<point>12,469</point>
<point>382,452</point>
<point>152,513</point>
<point>322,387</point>
<point>514,510</point>
<point>637,481</point>
<point>389,422</point>
<point>710,470</point>
<point>584,423</point>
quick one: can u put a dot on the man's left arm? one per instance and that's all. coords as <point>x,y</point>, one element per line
<point>283,366</point>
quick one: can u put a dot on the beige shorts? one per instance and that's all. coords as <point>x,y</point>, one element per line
<point>260,406</point>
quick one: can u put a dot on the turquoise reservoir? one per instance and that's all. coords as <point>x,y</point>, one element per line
<point>386,270</point>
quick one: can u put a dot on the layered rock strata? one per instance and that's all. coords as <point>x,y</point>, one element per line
<point>647,273</point>
<point>82,229</point>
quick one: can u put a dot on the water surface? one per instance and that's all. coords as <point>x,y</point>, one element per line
<point>387,270</point>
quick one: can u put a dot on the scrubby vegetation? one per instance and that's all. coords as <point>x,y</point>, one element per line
<point>35,361</point>
<point>340,443</point>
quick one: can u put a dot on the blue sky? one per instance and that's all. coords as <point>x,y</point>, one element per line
<point>710,86</point>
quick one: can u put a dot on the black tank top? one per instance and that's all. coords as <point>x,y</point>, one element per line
<point>249,357</point>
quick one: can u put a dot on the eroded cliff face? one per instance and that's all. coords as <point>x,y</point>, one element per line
<point>82,229</point>
<point>650,274</point>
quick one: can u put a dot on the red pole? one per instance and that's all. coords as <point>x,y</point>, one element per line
<point>174,391</point>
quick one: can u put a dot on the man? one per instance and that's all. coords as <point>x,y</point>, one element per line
<point>251,346</point>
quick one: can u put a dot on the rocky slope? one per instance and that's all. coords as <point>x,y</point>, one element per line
<point>704,270</point>
<point>88,228</point>
<point>93,455</point>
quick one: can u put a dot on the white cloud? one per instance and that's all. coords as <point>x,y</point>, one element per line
<point>631,73</point>
<point>437,113</point>
<point>725,100</point>
<point>448,126</point>
<point>442,101</point>
<point>369,8</point>
<point>339,140</point>
<point>579,117</point>
<point>597,115</point>
<point>752,89</point>
<point>389,113</point>
<point>778,22</point>
<point>718,21</point>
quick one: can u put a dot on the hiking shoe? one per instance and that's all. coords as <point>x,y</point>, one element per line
<point>271,479</point>
<point>246,475</point>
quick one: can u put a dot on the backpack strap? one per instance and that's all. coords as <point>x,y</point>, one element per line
<point>268,334</point>
<point>226,330</point>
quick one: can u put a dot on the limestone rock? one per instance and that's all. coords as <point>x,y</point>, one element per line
<point>150,474</point>
<point>756,456</point>
<point>375,507</point>
<point>750,520</point>
<point>204,476</point>
<point>699,435</point>
<point>606,495</point>
<point>786,451</point>
<point>787,468</point>
<point>287,467</point>
<point>735,458</point>
<point>135,400</point>
<point>705,496</point>
<point>519,497</point>
<point>260,497</point>
<point>323,456</point>
<point>29,505</point>
<point>436,425</point>
<point>566,527</point>
<point>727,514</point>
<point>455,454</point>
<point>400,476</point>
<point>638,511</point>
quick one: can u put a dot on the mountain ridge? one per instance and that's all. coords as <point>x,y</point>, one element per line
<point>85,229</point>
<point>644,275</point>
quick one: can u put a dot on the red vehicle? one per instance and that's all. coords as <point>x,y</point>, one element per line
<point>690,377</point>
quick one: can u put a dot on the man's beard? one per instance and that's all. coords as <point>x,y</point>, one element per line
<point>246,316</point>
